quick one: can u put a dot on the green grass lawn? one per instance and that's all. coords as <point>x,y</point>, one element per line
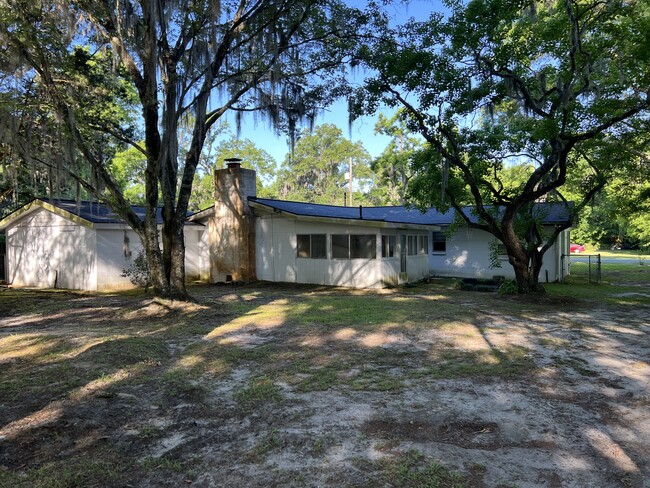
<point>627,254</point>
<point>621,282</point>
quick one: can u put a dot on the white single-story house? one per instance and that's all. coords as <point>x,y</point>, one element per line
<point>245,238</point>
<point>275,240</point>
<point>253,238</point>
<point>85,246</point>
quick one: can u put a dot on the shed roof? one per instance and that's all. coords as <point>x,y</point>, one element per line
<point>83,212</point>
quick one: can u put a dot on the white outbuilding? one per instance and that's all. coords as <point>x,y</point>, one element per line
<point>80,246</point>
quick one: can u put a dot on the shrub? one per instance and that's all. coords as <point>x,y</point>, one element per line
<point>509,288</point>
<point>499,279</point>
<point>138,272</point>
<point>457,284</point>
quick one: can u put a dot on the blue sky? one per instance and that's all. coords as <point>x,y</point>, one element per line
<point>363,128</point>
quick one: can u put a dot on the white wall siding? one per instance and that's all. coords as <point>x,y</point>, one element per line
<point>468,256</point>
<point>553,261</point>
<point>556,260</point>
<point>417,267</point>
<point>354,273</point>
<point>203,250</point>
<point>277,260</point>
<point>264,253</point>
<point>317,271</point>
<point>192,256</point>
<point>114,255</point>
<point>275,256</point>
<point>390,271</point>
<point>46,250</point>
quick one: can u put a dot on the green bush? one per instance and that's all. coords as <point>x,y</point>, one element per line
<point>138,272</point>
<point>509,287</point>
<point>457,284</point>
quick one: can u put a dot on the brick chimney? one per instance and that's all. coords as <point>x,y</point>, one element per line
<point>232,230</point>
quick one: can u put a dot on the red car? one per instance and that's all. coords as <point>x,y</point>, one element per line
<point>576,248</point>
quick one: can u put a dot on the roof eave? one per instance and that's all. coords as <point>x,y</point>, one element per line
<point>35,205</point>
<point>201,214</point>
<point>339,220</point>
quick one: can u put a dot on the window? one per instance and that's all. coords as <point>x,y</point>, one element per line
<point>304,245</point>
<point>312,246</point>
<point>501,250</point>
<point>363,246</point>
<point>340,246</point>
<point>387,246</point>
<point>417,245</point>
<point>354,246</point>
<point>439,242</point>
<point>423,245</point>
<point>318,246</point>
<point>412,245</point>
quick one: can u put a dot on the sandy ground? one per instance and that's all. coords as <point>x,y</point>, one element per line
<point>573,412</point>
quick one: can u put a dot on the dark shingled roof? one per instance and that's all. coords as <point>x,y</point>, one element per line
<point>551,213</point>
<point>98,213</point>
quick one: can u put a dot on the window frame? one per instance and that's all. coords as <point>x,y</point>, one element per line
<point>442,238</point>
<point>423,244</point>
<point>350,245</point>
<point>502,252</point>
<point>336,246</point>
<point>388,246</point>
<point>360,243</point>
<point>411,245</point>
<point>310,248</point>
<point>417,244</point>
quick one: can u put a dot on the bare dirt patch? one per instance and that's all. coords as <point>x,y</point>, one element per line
<point>311,386</point>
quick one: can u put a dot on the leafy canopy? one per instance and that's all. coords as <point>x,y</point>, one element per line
<point>496,83</point>
<point>186,63</point>
<point>318,168</point>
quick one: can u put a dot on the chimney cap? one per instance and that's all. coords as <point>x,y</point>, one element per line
<point>233,162</point>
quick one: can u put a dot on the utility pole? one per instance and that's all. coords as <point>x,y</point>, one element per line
<point>350,182</point>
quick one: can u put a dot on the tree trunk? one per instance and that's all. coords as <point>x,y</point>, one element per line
<point>522,276</point>
<point>527,273</point>
<point>167,235</point>
<point>167,275</point>
<point>535,269</point>
<point>167,266</point>
<point>159,282</point>
<point>177,289</point>
<point>526,265</point>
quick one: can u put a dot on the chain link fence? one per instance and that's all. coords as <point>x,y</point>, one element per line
<point>585,266</point>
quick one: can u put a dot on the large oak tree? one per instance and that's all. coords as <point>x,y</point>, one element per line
<point>561,85</point>
<point>188,62</point>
